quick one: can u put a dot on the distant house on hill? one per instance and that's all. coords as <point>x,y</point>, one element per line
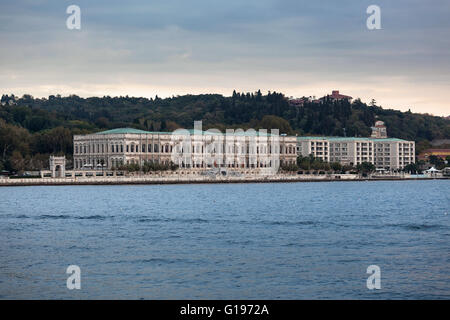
<point>298,102</point>
<point>336,96</point>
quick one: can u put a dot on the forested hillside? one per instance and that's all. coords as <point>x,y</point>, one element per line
<point>32,128</point>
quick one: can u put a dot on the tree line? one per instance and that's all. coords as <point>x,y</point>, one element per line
<point>33,128</point>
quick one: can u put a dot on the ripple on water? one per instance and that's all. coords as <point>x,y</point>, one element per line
<point>265,241</point>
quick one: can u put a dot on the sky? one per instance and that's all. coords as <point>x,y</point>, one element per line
<point>176,47</point>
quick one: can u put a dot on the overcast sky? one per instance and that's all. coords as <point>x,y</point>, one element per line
<point>175,47</point>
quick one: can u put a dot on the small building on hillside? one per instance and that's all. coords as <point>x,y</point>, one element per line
<point>440,153</point>
<point>336,96</point>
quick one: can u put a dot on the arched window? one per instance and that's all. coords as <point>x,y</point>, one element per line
<point>149,148</point>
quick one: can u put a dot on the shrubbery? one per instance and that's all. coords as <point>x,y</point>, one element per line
<point>148,166</point>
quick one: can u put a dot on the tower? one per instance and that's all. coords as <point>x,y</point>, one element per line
<point>379,130</point>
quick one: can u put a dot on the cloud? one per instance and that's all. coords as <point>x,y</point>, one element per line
<point>175,47</point>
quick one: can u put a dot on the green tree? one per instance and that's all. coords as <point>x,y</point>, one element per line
<point>273,122</point>
<point>411,168</point>
<point>365,168</point>
<point>336,166</point>
<point>17,161</point>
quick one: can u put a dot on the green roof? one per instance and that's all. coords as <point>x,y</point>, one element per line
<point>238,133</point>
<point>121,131</point>
<point>351,139</point>
<point>191,131</point>
<point>129,130</point>
<point>255,133</point>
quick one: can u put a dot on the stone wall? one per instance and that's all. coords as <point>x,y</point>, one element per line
<point>174,178</point>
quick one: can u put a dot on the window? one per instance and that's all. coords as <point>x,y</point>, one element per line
<point>149,148</point>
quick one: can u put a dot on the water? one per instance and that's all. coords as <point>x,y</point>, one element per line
<point>230,241</point>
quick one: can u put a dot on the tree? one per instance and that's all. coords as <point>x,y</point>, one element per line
<point>347,168</point>
<point>17,161</point>
<point>436,161</point>
<point>365,168</point>
<point>289,167</point>
<point>273,122</point>
<point>336,166</point>
<point>35,126</point>
<point>411,168</point>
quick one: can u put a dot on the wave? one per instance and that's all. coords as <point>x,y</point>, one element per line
<point>64,216</point>
<point>150,261</point>
<point>186,220</point>
<point>416,226</point>
<point>289,223</point>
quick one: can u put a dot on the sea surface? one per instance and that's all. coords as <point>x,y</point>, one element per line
<point>227,241</point>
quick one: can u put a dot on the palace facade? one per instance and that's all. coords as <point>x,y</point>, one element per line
<point>113,148</point>
<point>241,149</point>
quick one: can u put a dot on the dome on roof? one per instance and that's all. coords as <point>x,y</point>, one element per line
<point>122,131</point>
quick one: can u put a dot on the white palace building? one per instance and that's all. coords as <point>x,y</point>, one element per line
<point>250,149</point>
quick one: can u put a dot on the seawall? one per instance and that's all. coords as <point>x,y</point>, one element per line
<point>176,179</point>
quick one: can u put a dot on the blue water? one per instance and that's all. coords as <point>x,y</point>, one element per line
<point>230,241</point>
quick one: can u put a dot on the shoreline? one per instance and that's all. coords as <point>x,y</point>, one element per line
<point>200,180</point>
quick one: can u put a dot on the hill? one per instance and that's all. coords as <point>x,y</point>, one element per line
<point>32,128</point>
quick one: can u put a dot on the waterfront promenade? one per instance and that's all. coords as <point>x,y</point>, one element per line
<point>176,178</point>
